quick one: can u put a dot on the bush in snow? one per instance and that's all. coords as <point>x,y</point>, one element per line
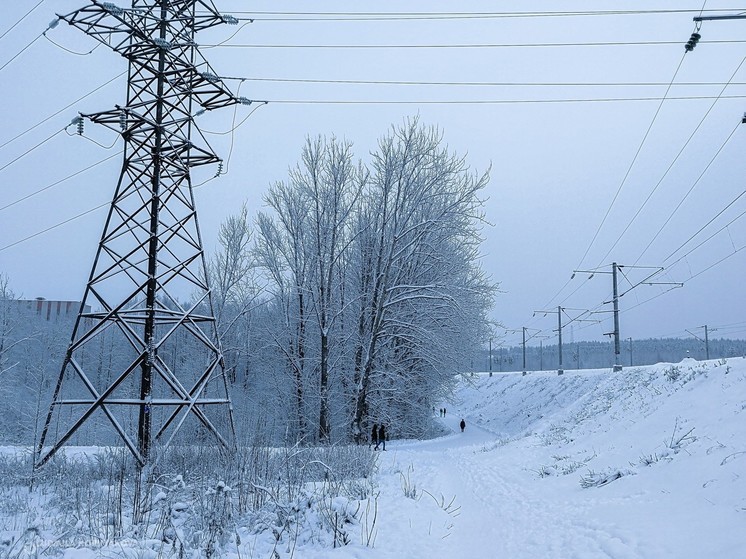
<point>680,439</point>
<point>408,486</point>
<point>546,471</point>
<point>672,373</point>
<point>193,502</point>
<point>649,459</point>
<point>593,479</point>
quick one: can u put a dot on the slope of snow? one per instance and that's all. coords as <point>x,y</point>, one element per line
<point>663,449</point>
<point>649,462</point>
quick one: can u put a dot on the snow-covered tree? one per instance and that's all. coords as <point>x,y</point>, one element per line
<point>282,252</point>
<point>423,297</point>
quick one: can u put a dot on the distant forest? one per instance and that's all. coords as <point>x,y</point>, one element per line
<point>598,355</point>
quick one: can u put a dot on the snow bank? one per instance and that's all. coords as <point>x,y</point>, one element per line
<point>649,462</point>
<point>646,462</point>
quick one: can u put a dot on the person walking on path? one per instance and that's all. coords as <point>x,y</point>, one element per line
<point>462,425</point>
<point>374,436</point>
<point>381,436</point>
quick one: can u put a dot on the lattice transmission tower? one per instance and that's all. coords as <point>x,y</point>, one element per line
<point>164,363</point>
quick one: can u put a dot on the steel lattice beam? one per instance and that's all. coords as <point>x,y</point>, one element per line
<point>150,247</point>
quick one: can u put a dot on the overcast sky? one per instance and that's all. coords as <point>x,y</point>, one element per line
<point>573,186</point>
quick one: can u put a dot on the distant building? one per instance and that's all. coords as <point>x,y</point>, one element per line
<point>48,309</point>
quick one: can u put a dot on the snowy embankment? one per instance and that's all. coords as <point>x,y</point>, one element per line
<point>647,462</point>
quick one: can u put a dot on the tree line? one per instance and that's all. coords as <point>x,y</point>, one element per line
<point>599,355</point>
<point>353,298</point>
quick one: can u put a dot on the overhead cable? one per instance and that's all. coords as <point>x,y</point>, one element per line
<point>404,16</point>
<point>49,117</point>
<point>717,263</point>
<point>60,224</point>
<point>492,101</point>
<point>473,83</point>
<point>68,177</point>
<point>25,153</point>
<point>632,163</point>
<point>70,51</point>
<point>723,228</point>
<point>691,136</point>
<point>681,202</point>
<point>463,46</point>
<point>20,52</point>
<point>20,20</point>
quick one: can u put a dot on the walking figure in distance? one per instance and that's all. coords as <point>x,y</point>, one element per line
<point>382,436</point>
<point>462,425</point>
<point>374,437</point>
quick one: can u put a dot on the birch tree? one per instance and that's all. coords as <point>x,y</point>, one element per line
<point>235,290</point>
<point>423,213</point>
<point>281,251</point>
<point>331,184</point>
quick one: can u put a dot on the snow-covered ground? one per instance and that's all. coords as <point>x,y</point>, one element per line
<point>649,462</point>
<point>510,485</point>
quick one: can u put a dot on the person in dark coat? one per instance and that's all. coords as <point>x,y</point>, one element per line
<point>382,436</point>
<point>462,425</point>
<point>374,436</point>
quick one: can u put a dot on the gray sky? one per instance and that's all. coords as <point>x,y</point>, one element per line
<point>556,167</point>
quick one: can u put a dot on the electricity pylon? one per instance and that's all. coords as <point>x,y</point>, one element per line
<point>150,256</point>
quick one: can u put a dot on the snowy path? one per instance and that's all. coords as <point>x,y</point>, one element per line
<point>502,510</point>
<point>478,495</point>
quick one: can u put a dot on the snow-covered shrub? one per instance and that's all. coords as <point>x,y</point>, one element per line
<point>564,465</point>
<point>29,544</point>
<point>546,471</point>
<point>500,442</point>
<point>555,434</point>
<point>593,479</point>
<point>193,502</point>
<point>680,439</point>
<point>672,373</point>
<point>408,486</point>
<point>340,514</point>
<point>570,467</point>
<point>649,459</point>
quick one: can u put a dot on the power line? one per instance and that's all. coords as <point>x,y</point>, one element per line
<point>20,52</point>
<point>24,154</point>
<point>723,259</point>
<point>20,20</point>
<point>681,202</point>
<point>47,118</point>
<point>691,136</point>
<point>475,84</point>
<point>491,101</point>
<point>739,216</point>
<point>75,174</point>
<point>736,251</point>
<point>60,224</point>
<point>465,46</point>
<point>632,163</point>
<point>70,51</point>
<point>403,16</point>
<point>221,43</point>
